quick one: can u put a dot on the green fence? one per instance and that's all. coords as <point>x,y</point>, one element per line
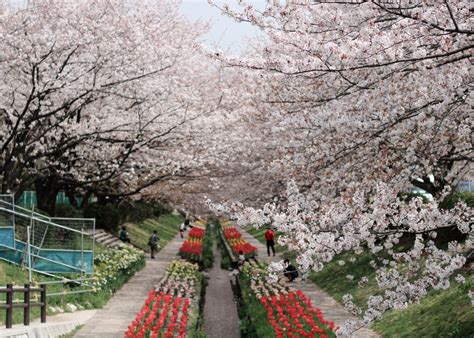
<point>28,199</point>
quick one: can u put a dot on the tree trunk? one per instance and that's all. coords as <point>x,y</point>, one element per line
<point>85,200</point>
<point>71,194</point>
<point>46,190</point>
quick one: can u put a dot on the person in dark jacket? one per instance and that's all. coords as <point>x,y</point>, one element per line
<point>290,271</point>
<point>123,235</point>
<point>153,243</point>
<point>187,223</point>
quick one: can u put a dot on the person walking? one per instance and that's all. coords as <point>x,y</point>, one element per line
<point>123,235</point>
<point>182,228</point>
<point>270,238</point>
<point>153,243</point>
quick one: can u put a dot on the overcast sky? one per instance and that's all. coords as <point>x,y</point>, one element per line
<point>225,32</point>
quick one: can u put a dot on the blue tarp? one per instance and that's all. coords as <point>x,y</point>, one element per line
<point>55,261</point>
<point>72,258</point>
<point>7,237</point>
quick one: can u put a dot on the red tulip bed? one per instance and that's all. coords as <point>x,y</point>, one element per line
<point>165,312</point>
<point>192,246</point>
<point>197,232</point>
<point>231,232</point>
<point>237,243</point>
<point>288,312</point>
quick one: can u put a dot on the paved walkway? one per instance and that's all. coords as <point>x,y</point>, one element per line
<point>121,309</point>
<point>330,308</point>
<point>220,310</point>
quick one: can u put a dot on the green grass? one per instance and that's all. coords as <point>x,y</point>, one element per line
<point>358,269</point>
<point>207,245</point>
<point>446,313</point>
<point>167,226</point>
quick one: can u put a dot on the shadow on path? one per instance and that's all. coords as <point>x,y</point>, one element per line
<point>220,310</point>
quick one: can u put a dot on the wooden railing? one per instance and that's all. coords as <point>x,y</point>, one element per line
<point>26,305</point>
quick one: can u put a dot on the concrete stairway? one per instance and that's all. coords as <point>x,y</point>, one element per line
<point>107,239</point>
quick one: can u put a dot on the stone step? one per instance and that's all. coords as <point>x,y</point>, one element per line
<point>97,231</point>
<point>110,240</point>
<point>102,235</point>
<point>102,239</point>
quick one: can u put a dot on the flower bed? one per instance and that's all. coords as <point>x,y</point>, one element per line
<point>192,246</point>
<point>231,232</point>
<point>165,312</point>
<point>197,232</point>
<point>289,312</point>
<point>237,243</point>
<point>114,267</point>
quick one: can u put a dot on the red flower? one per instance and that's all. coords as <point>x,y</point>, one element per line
<point>197,232</point>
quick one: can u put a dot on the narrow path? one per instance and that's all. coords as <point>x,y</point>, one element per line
<point>220,310</point>
<point>330,308</point>
<point>121,309</point>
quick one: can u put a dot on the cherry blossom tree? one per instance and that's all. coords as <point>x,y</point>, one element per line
<point>360,101</point>
<point>98,95</point>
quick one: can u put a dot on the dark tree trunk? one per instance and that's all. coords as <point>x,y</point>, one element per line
<point>46,190</point>
<point>85,200</point>
<point>71,194</point>
<point>101,199</point>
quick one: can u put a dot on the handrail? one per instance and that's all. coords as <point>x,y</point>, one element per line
<point>42,220</point>
<point>28,211</point>
<point>73,218</point>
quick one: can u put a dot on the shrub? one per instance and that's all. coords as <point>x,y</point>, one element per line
<point>137,211</point>
<point>207,254</point>
<point>160,209</point>
<point>226,263</point>
<point>107,216</point>
<point>67,210</point>
<point>115,267</point>
<point>451,200</point>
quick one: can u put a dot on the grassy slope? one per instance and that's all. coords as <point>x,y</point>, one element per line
<point>167,227</point>
<point>446,313</point>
